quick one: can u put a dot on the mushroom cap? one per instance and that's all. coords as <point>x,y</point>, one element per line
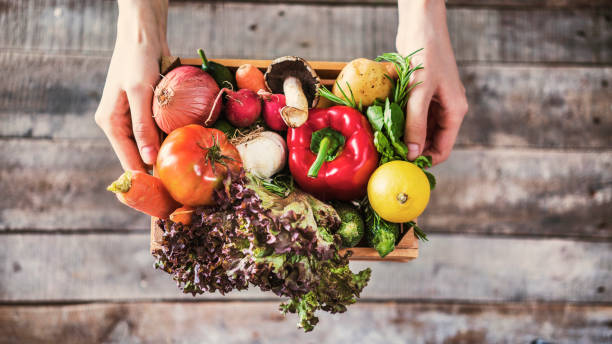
<point>285,66</point>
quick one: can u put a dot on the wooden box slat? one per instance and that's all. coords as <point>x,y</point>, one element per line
<point>408,247</point>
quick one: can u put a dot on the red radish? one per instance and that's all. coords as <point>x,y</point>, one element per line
<point>272,105</point>
<point>186,95</point>
<point>242,108</point>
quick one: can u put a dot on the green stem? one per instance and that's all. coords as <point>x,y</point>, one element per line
<point>122,184</point>
<point>321,157</point>
<point>205,65</point>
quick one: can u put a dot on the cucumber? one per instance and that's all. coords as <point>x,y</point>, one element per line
<point>352,228</point>
<point>381,234</point>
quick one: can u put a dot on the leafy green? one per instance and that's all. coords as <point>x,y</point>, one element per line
<point>424,162</point>
<point>281,184</point>
<point>376,117</point>
<point>253,237</point>
<point>382,234</point>
<point>394,120</point>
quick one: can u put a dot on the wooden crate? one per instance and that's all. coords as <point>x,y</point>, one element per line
<point>407,249</point>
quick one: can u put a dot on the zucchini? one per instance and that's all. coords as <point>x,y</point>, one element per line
<point>352,227</point>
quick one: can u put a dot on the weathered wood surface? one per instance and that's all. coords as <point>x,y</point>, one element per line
<point>449,3</point>
<point>60,185</point>
<point>240,322</point>
<point>517,106</point>
<point>321,32</point>
<point>117,266</point>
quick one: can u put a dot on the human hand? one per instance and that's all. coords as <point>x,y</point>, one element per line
<point>437,106</point>
<point>124,113</point>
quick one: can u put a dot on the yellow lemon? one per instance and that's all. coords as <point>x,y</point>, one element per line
<point>398,191</point>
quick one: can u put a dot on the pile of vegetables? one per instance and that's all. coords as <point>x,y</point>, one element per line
<point>257,187</point>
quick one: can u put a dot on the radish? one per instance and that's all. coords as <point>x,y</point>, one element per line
<point>242,108</point>
<point>272,105</point>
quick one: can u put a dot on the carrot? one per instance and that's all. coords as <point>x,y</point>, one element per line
<point>182,215</point>
<point>248,76</point>
<point>145,193</point>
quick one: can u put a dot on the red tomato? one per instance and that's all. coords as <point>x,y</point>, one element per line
<point>193,161</point>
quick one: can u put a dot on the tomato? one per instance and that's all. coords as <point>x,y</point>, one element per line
<point>398,191</point>
<point>193,161</point>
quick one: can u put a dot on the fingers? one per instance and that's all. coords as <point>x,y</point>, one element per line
<point>145,130</point>
<point>416,121</point>
<point>449,118</point>
<point>112,116</point>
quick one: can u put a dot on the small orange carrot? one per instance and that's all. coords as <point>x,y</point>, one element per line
<point>182,215</point>
<point>145,193</point>
<point>250,77</point>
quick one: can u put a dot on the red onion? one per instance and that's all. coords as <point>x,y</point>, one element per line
<point>186,95</point>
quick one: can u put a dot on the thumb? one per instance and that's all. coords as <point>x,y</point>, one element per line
<point>416,121</point>
<point>143,126</point>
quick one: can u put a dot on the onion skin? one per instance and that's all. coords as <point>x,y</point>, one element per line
<point>186,95</point>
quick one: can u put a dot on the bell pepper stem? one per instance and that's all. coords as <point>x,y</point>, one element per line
<point>204,60</point>
<point>321,157</point>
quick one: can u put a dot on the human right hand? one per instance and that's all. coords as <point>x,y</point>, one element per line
<point>124,113</point>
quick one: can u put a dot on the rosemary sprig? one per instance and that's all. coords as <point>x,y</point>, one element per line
<point>404,72</point>
<point>325,93</point>
<point>418,232</point>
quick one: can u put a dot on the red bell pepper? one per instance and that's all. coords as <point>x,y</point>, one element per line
<point>332,155</point>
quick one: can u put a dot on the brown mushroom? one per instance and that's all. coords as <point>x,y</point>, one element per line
<point>294,77</point>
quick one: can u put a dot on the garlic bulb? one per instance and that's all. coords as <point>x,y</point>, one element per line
<point>264,155</point>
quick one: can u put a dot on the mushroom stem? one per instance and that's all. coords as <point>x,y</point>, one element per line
<point>296,112</point>
<point>294,96</point>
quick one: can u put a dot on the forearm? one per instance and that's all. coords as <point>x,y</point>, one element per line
<point>425,19</point>
<point>142,21</point>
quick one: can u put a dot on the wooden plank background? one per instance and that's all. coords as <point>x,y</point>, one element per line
<point>521,243</point>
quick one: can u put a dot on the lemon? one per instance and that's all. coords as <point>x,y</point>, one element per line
<point>398,191</point>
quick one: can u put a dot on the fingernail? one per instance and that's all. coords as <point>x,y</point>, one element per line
<point>148,153</point>
<point>413,151</point>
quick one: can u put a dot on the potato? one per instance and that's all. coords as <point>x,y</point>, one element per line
<point>367,79</point>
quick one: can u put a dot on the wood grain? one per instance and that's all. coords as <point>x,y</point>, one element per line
<point>114,266</point>
<point>391,323</point>
<point>556,105</point>
<point>60,185</point>
<point>318,32</point>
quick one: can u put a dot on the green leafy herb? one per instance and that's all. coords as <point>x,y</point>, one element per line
<point>424,162</point>
<point>351,102</point>
<point>376,117</point>
<point>394,120</point>
<point>418,232</point>
<point>404,72</point>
